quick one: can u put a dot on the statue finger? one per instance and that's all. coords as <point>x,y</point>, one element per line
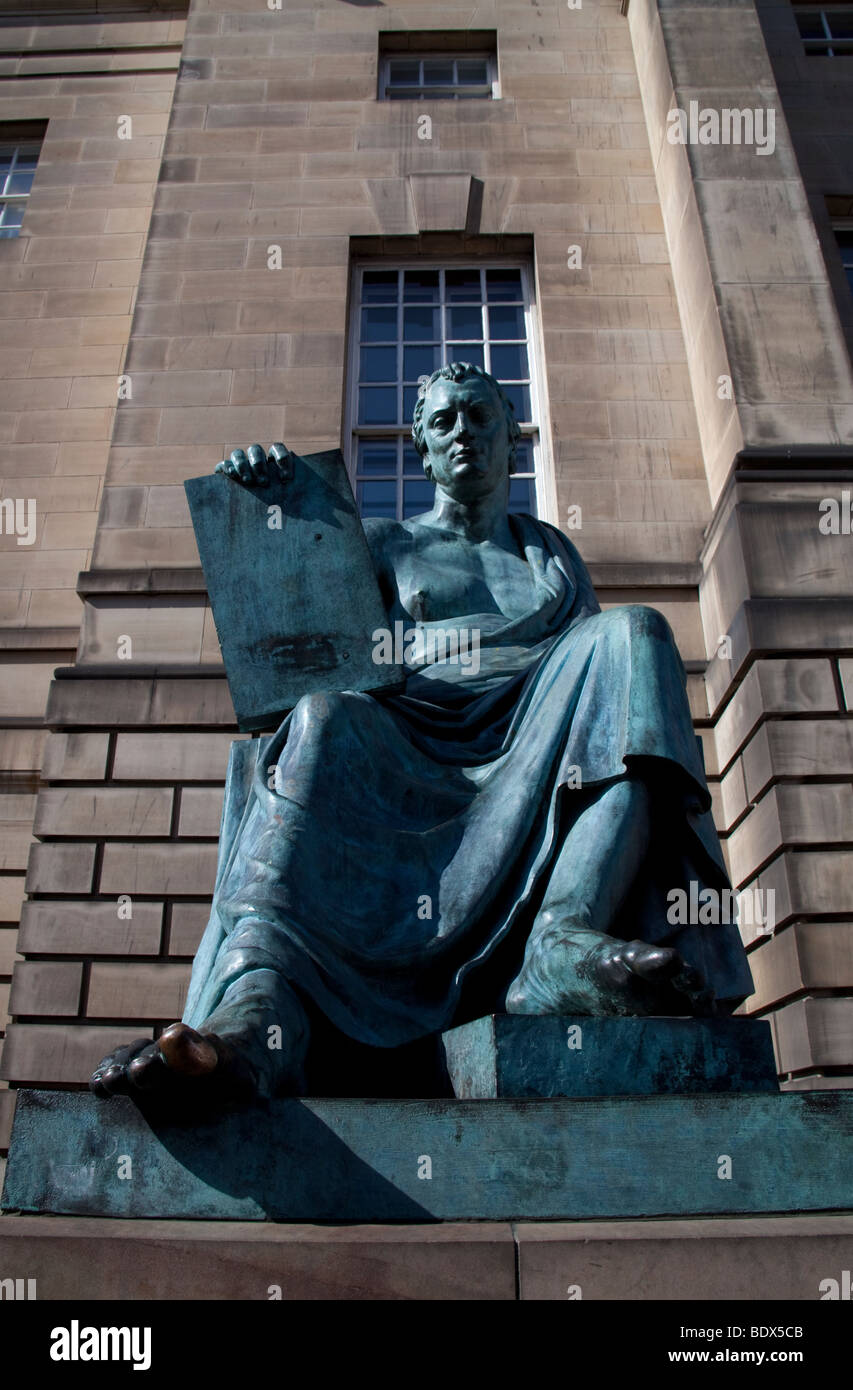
<point>240,465</point>
<point>258,463</point>
<point>283,460</point>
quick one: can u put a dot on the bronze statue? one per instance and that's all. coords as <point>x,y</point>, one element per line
<point>500,836</point>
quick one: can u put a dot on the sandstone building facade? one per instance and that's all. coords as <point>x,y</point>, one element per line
<point>258,223</point>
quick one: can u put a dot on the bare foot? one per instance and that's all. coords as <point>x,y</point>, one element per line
<point>568,968</point>
<point>182,1062</point>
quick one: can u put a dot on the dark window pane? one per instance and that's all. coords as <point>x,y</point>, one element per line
<point>410,396</point>
<point>420,361</point>
<point>379,287</point>
<point>520,397</point>
<point>404,70</point>
<point>503,285</point>
<point>522,496</point>
<point>462,286</point>
<point>412,462</point>
<point>810,26</point>
<point>377,405</point>
<point>379,325</point>
<point>467,352</point>
<point>506,321</point>
<point>420,323</point>
<point>377,499</point>
<point>465,323</point>
<point>420,287</point>
<point>841,25</point>
<point>438,72</point>
<point>405,93</point>
<point>524,456</point>
<point>378,364</point>
<point>509,362</point>
<point>417,497</point>
<point>474,70</point>
<point>849,270</point>
<point>377,456</point>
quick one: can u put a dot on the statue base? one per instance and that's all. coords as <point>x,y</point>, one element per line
<point>616,1157</point>
<point>512,1055</point>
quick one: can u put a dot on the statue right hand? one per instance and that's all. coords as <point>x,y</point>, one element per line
<point>256,468</point>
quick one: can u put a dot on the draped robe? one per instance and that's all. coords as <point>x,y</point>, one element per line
<point>391,868</point>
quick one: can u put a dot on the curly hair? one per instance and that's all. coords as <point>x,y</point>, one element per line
<point>461,371</point>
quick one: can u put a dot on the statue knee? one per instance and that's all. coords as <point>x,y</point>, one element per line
<point>638,622</point>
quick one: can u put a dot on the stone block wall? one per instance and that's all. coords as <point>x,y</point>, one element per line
<point>67,288</point>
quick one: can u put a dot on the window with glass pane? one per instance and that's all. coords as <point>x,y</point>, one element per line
<point>419,77</point>
<point>412,320</point>
<point>844,237</point>
<point>17,171</point>
<point>826,32</point>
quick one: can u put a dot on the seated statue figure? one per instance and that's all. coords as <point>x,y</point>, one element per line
<point>502,835</point>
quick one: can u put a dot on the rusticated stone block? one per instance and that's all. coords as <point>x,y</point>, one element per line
<point>56,1053</point>
<point>806,956</point>
<point>782,686</point>
<point>814,1033</point>
<point>46,987</point>
<point>201,811</point>
<point>137,991</point>
<point>172,757</point>
<point>55,868</point>
<point>188,923</point>
<point>75,756</point>
<point>76,811</point>
<point>790,815</point>
<point>90,929</point>
<point>158,869</point>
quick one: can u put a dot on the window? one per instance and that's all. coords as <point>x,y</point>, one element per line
<point>427,64</point>
<point>826,32</point>
<point>409,320</point>
<point>844,238</point>
<point>411,77</point>
<point>17,171</point>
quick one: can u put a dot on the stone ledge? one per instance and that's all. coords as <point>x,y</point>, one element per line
<point>756,1258</point>
<point>416,1161</point>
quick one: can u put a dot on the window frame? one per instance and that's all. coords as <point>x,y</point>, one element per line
<point>824,46</point>
<point>16,148</point>
<point>538,432</point>
<point>455,55</point>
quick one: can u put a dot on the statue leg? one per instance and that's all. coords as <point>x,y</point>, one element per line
<point>253,1044</point>
<point>571,964</point>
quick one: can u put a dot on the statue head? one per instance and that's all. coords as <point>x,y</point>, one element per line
<point>460,389</point>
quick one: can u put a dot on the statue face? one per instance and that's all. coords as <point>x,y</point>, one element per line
<point>466,437</point>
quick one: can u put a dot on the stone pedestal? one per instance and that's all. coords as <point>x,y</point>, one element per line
<point>507,1055</point>
<point>370,1161</point>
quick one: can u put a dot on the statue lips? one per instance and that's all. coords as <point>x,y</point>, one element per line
<point>471,457</point>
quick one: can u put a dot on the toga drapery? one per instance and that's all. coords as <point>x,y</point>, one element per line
<point>392,870</point>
